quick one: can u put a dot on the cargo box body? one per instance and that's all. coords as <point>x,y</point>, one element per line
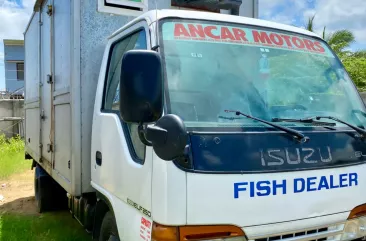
<point>64,45</point>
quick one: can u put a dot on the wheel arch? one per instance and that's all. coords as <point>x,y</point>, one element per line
<point>102,207</point>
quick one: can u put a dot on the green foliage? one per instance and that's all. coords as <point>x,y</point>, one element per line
<point>340,41</point>
<point>50,227</point>
<point>356,67</point>
<point>359,54</point>
<point>299,74</point>
<point>12,156</point>
<point>310,25</point>
<point>323,34</point>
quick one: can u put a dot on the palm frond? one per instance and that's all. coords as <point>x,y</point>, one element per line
<point>310,25</point>
<point>343,36</point>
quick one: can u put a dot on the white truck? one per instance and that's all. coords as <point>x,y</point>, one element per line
<point>192,125</point>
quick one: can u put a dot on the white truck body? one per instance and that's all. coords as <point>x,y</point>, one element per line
<point>90,152</point>
<point>79,34</point>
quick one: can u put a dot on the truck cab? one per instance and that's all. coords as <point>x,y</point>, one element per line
<point>217,127</point>
<point>191,125</point>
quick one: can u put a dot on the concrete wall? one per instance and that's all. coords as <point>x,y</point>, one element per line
<point>11,108</point>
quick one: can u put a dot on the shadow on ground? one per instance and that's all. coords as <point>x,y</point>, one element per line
<point>25,205</point>
<point>20,221</point>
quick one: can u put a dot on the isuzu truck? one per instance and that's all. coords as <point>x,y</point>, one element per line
<point>200,124</point>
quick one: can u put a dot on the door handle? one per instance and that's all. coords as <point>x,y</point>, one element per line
<point>98,158</point>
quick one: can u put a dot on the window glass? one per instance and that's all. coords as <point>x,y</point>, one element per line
<point>267,73</point>
<point>111,98</point>
<point>20,71</point>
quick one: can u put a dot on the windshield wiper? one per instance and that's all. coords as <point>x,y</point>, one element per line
<point>360,131</point>
<point>297,135</point>
<point>305,120</point>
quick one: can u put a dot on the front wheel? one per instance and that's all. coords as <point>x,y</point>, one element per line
<point>108,231</point>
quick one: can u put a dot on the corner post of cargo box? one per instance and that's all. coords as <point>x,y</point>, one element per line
<point>37,9</point>
<point>51,79</point>
<point>76,162</point>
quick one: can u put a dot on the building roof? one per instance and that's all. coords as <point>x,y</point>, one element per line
<point>13,42</point>
<point>154,15</point>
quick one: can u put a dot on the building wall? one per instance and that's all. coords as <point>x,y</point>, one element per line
<point>11,81</point>
<point>13,53</point>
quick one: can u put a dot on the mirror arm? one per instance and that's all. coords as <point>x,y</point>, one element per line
<point>141,131</point>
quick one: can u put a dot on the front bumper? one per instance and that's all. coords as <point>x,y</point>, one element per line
<point>330,227</point>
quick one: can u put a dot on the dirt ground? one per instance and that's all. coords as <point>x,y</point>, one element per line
<point>17,194</point>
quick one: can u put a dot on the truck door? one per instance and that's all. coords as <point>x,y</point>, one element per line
<point>46,86</point>
<point>61,92</point>
<point>123,164</point>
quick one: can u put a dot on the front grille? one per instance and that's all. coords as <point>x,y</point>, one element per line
<point>332,232</point>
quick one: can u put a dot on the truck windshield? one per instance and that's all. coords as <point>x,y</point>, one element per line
<point>212,66</point>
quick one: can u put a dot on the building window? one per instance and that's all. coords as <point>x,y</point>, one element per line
<point>20,71</point>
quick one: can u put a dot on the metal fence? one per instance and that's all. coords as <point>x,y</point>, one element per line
<point>12,117</point>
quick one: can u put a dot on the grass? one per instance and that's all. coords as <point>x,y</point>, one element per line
<point>47,227</point>
<point>56,226</point>
<point>12,157</point>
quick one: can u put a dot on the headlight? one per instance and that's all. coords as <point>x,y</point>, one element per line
<point>355,227</point>
<point>197,233</point>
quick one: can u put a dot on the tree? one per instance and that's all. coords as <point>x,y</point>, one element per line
<point>339,41</point>
<point>354,62</point>
<point>310,25</point>
<point>356,67</point>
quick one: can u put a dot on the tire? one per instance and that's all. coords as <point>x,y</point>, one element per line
<point>42,189</point>
<point>49,194</point>
<point>108,230</point>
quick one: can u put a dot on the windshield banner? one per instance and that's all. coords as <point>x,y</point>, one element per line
<point>245,36</point>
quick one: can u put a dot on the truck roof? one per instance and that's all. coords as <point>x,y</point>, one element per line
<point>154,15</point>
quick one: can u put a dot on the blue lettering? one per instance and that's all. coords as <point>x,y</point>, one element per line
<point>353,179</point>
<point>332,182</point>
<point>251,189</point>
<point>275,186</point>
<point>263,186</point>
<point>296,187</point>
<point>309,183</point>
<point>238,188</point>
<point>323,183</point>
<point>342,180</point>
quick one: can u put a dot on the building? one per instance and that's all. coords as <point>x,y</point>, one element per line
<point>14,65</point>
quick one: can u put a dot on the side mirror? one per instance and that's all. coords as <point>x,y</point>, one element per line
<point>141,87</point>
<point>168,137</point>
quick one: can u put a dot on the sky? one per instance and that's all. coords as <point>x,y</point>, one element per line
<point>334,14</point>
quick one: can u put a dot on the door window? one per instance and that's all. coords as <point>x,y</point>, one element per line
<point>136,40</point>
